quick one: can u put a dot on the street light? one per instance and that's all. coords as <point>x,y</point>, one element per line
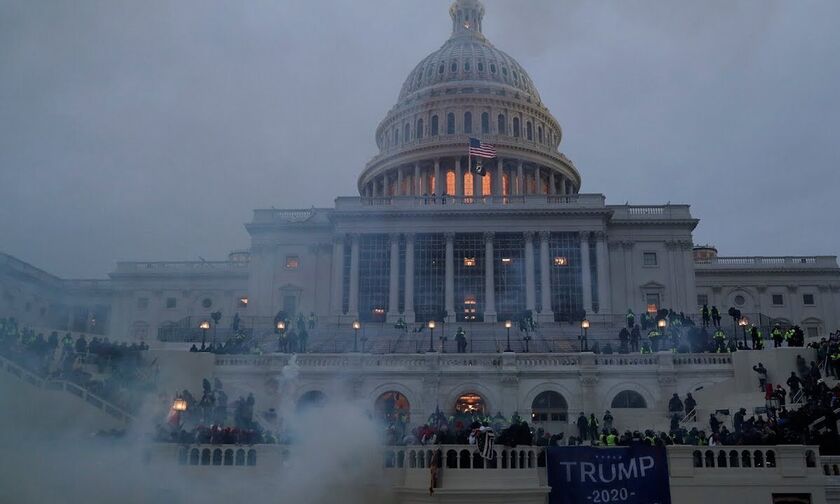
<point>281,329</point>
<point>204,325</point>
<point>431,335</point>
<point>508,324</point>
<point>744,322</point>
<point>527,338</point>
<point>584,324</point>
<point>356,326</point>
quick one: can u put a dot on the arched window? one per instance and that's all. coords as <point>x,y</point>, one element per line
<point>485,123</point>
<point>419,132</point>
<point>396,136</point>
<point>493,68</point>
<point>540,134</point>
<point>467,66</point>
<point>549,406</point>
<point>480,66</point>
<point>453,67</point>
<point>468,184</point>
<point>467,122</point>
<point>487,183</point>
<point>441,68</point>
<point>470,404</point>
<point>450,123</point>
<point>502,128</point>
<point>450,183</point>
<point>406,133</point>
<point>529,130</point>
<point>628,399</point>
<point>516,127</point>
<point>392,407</point>
<point>311,399</point>
<point>434,131</point>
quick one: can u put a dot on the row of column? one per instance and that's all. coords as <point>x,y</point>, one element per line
<point>419,180</point>
<point>602,266</point>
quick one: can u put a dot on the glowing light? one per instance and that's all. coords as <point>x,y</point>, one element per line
<point>584,324</point>
<point>357,325</point>
<point>281,325</point>
<point>507,261</point>
<point>561,261</point>
<point>469,262</point>
<point>662,323</point>
<point>179,405</point>
<point>508,324</point>
<point>432,324</point>
<point>205,324</point>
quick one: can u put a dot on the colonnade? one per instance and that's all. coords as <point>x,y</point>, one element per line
<point>532,253</point>
<point>511,178</point>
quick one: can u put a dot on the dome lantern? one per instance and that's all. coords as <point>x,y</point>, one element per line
<point>467,16</point>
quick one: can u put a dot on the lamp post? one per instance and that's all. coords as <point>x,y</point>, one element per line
<point>527,339</point>
<point>584,325</point>
<point>431,335</point>
<point>179,406</point>
<point>662,324</point>
<point>744,322</point>
<point>356,326</point>
<point>281,329</point>
<point>204,325</point>
<point>508,324</point>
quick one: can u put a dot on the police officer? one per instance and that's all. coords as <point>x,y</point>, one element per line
<point>704,313</point>
<point>635,337</point>
<point>716,316</point>
<point>720,340</point>
<point>777,335</point>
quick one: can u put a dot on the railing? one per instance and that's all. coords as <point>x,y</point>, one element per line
<point>471,202</point>
<point>223,456</point>
<point>464,457</point>
<point>71,388</point>
<point>650,212</point>
<point>767,261</point>
<point>181,267</point>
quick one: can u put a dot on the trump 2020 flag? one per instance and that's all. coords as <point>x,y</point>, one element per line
<point>626,475</point>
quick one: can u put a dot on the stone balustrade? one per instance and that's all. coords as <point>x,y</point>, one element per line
<point>765,262</point>
<point>470,203</point>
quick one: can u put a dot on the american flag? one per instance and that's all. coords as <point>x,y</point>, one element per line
<point>482,150</point>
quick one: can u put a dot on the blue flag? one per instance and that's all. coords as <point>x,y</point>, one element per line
<point>622,475</point>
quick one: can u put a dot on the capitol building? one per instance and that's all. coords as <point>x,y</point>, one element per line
<point>426,238</point>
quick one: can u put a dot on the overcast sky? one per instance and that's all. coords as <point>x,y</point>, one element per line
<point>149,130</point>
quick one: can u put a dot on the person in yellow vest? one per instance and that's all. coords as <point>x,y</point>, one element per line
<point>777,335</point>
<point>654,336</point>
<point>720,341</point>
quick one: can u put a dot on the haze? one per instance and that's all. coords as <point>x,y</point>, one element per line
<point>150,130</point>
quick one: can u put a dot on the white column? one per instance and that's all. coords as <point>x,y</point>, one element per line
<point>400,182</point>
<point>546,314</point>
<point>459,178</point>
<point>603,265</point>
<point>353,304</point>
<point>409,278</point>
<point>562,185</point>
<point>520,179</point>
<point>530,286</point>
<point>438,189</point>
<point>449,298</point>
<point>394,279</point>
<point>418,190</point>
<point>338,275</point>
<point>552,189</point>
<point>585,273</point>
<point>489,283</point>
<point>537,181</point>
<point>498,176</point>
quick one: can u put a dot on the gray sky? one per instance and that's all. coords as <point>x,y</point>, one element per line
<point>149,130</point>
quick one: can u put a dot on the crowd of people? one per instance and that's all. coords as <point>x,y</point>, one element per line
<point>117,372</point>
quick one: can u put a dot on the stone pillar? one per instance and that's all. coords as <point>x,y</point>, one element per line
<point>552,186</point>
<point>353,302</point>
<point>530,285</point>
<point>489,283</point>
<point>520,179</point>
<point>400,182</point>
<point>418,188</point>
<point>603,265</point>
<point>477,179</point>
<point>459,178</point>
<point>546,314</point>
<point>338,275</point>
<point>537,181</point>
<point>563,185</point>
<point>438,189</point>
<point>449,297</point>
<point>394,280</point>
<point>409,279</point>
<point>498,176</point>
<point>585,272</point>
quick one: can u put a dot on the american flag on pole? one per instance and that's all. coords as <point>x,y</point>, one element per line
<point>481,150</point>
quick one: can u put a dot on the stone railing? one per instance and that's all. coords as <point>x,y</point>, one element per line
<point>760,262</point>
<point>181,267</point>
<point>470,203</point>
<point>703,360</point>
<point>651,212</point>
<point>68,387</point>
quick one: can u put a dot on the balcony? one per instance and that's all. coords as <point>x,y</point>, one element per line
<point>768,263</point>
<point>470,203</point>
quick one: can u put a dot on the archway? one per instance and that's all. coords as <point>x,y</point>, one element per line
<point>549,406</point>
<point>311,399</point>
<point>628,399</point>
<point>393,407</point>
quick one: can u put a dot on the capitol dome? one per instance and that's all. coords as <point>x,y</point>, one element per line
<point>468,89</point>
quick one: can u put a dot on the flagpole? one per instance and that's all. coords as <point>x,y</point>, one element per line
<point>469,164</point>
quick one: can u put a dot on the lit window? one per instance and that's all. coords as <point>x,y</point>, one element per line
<point>171,302</point>
<point>450,183</point>
<point>808,299</point>
<point>561,261</point>
<point>469,262</point>
<point>652,301</point>
<point>292,262</point>
<point>778,299</point>
<point>649,259</point>
<point>470,404</point>
<point>243,302</point>
<point>507,261</point>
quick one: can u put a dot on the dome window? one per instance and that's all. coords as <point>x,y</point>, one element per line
<point>450,123</point>
<point>453,67</point>
<point>434,131</point>
<point>529,131</point>
<point>467,122</point>
<point>419,132</point>
<point>516,127</point>
<point>492,68</point>
<point>485,123</point>
<point>480,66</point>
<point>502,122</point>
<point>504,71</point>
<point>441,69</point>
<point>467,66</point>
<point>406,133</point>
<point>516,76</point>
